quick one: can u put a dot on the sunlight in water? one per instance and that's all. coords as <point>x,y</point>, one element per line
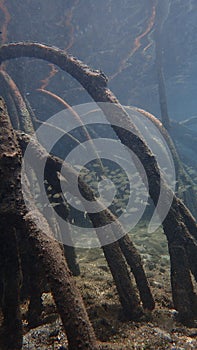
<point>137,43</point>
<point>68,23</point>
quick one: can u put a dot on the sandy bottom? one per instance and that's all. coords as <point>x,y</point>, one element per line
<point>156,330</point>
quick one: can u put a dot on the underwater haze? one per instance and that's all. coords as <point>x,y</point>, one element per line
<point>101,202</point>
<point>115,37</point>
